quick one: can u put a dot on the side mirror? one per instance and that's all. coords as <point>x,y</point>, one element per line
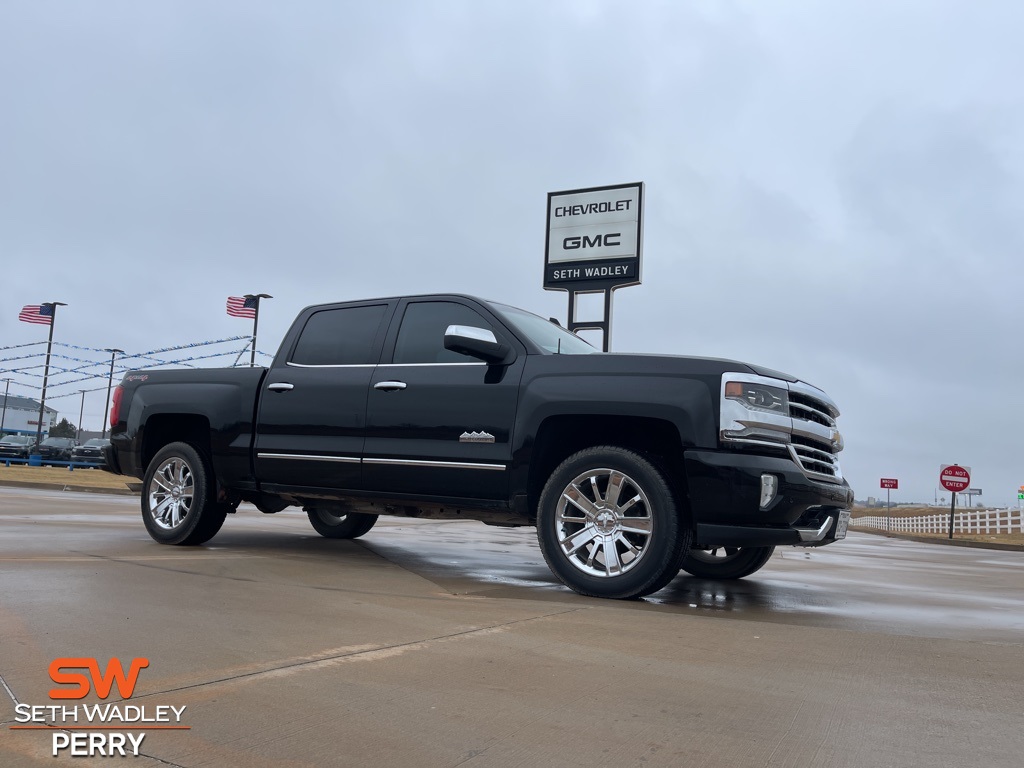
<point>479,343</point>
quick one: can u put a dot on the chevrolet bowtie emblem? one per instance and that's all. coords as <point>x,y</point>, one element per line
<point>476,437</point>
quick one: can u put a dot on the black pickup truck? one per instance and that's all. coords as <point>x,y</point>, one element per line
<point>631,467</point>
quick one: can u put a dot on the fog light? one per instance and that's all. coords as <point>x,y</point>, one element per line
<point>769,487</point>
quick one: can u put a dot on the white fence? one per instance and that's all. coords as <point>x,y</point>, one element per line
<point>966,521</point>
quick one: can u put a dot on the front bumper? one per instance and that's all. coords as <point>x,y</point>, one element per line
<point>90,458</point>
<point>53,456</point>
<point>724,492</point>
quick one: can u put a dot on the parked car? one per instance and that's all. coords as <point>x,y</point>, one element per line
<point>16,446</point>
<point>56,448</point>
<point>91,452</point>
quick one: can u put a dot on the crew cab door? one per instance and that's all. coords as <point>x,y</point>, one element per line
<point>439,423</point>
<point>309,429</point>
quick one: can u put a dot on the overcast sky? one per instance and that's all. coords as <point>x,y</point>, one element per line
<point>834,189</point>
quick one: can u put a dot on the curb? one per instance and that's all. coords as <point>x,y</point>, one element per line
<point>944,542</point>
<point>67,487</point>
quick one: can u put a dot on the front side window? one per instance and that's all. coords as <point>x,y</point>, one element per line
<point>421,337</point>
<point>544,333</point>
<point>341,336</point>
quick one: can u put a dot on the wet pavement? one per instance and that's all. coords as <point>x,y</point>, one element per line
<point>867,582</point>
<point>450,643</point>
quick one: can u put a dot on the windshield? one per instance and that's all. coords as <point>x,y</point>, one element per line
<point>15,440</point>
<point>96,441</point>
<point>544,333</point>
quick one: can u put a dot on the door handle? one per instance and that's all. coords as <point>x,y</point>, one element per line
<point>280,386</point>
<point>390,386</point>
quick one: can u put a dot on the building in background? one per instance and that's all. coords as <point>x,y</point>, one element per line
<point>20,416</point>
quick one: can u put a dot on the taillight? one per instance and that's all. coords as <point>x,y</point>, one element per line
<point>115,406</point>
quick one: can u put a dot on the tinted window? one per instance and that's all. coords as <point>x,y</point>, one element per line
<point>339,336</point>
<point>421,338</point>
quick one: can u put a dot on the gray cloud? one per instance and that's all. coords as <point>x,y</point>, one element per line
<point>833,189</point>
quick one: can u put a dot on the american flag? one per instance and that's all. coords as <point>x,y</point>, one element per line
<point>242,306</point>
<point>37,313</point>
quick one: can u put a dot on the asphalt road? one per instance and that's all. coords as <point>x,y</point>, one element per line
<point>450,644</point>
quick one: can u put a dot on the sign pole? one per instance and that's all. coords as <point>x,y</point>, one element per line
<point>604,326</point>
<point>889,483</point>
<point>954,479</point>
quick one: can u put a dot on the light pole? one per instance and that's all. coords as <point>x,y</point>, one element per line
<point>110,381</point>
<point>3,417</point>
<point>81,410</point>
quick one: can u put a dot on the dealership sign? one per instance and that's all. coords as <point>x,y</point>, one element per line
<point>593,238</point>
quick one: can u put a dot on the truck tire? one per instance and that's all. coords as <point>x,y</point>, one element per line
<point>340,526</point>
<point>178,506</point>
<point>608,524</point>
<point>726,562</point>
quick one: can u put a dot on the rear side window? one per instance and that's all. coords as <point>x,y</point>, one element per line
<point>421,337</point>
<point>342,336</point>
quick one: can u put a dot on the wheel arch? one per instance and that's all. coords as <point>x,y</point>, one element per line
<point>559,437</point>
<point>166,428</point>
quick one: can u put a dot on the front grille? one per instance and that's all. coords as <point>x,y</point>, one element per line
<point>815,456</point>
<point>808,408</point>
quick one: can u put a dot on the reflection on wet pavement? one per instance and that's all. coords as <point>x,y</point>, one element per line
<point>866,582</point>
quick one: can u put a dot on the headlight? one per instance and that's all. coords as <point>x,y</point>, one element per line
<point>758,397</point>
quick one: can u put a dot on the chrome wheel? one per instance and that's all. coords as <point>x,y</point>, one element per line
<point>171,493</point>
<point>603,523</point>
<point>179,505</point>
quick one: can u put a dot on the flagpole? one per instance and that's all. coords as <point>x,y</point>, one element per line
<point>46,369</point>
<point>255,323</point>
<point>110,381</point>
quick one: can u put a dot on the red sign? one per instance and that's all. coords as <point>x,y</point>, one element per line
<point>954,477</point>
<point>890,482</point>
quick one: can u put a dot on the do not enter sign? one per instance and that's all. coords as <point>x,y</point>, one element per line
<point>954,477</point>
